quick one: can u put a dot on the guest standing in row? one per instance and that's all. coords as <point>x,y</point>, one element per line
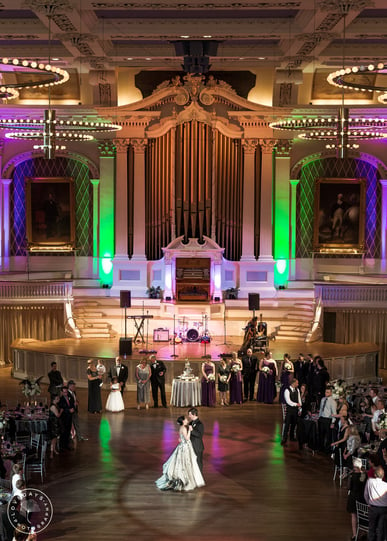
<point>235,379</point>
<point>158,370</point>
<point>53,425</point>
<point>94,404</point>
<point>66,404</point>
<point>223,381</point>
<point>56,381</point>
<point>208,383</point>
<point>286,377</point>
<point>267,375</point>
<point>119,371</point>
<point>143,375</point>
<point>249,372</point>
<point>326,420</point>
<point>293,405</point>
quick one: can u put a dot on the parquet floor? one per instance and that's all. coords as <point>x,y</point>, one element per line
<point>256,490</point>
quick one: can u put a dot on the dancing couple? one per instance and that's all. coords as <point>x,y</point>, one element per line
<point>183,469</point>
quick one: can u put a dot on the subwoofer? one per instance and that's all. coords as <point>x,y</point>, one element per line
<point>125,300</point>
<point>253,301</point>
<point>125,346</point>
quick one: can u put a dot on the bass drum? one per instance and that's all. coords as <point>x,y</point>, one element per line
<point>192,335</point>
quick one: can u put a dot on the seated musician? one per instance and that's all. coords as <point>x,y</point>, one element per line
<point>250,333</point>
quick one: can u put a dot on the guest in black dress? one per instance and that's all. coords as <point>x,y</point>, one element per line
<point>94,396</point>
<point>223,379</point>
<point>53,427</point>
<point>66,404</point>
<point>356,486</point>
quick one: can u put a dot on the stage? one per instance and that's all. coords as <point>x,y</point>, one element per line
<point>32,358</point>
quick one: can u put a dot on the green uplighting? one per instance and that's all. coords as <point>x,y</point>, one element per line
<point>104,438</point>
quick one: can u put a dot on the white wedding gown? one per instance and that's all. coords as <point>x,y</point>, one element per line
<point>115,401</point>
<point>181,470</point>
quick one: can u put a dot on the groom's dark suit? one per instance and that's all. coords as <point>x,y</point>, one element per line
<point>120,372</point>
<point>197,440</point>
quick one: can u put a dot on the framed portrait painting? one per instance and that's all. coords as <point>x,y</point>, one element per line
<point>50,213</point>
<point>339,213</point>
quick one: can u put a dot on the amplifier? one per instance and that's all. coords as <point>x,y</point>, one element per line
<point>161,335</point>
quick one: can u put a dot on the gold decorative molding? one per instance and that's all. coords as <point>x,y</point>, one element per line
<point>267,145</point>
<point>107,149</point>
<point>283,148</point>
<point>121,144</point>
<point>139,145</point>
<point>249,145</point>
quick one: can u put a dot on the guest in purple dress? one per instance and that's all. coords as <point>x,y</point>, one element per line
<point>208,384</point>
<point>236,379</point>
<point>267,375</point>
<point>286,377</point>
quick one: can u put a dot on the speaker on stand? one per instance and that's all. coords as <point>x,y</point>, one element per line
<point>125,343</point>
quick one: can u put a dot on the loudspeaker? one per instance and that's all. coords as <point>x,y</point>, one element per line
<point>125,346</point>
<point>253,301</point>
<point>217,299</point>
<point>125,299</point>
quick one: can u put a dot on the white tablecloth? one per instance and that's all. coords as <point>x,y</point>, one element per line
<point>186,393</point>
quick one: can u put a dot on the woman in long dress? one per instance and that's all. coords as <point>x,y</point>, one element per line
<point>267,375</point>
<point>53,426</point>
<point>143,374</point>
<point>223,379</point>
<point>115,402</point>
<point>208,384</point>
<point>94,403</point>
<point>236,379</point>
<point>181,471</point>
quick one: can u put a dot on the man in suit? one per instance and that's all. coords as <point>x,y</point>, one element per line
<point>56,381</point>
<point>158,370</point>
<point>73,395</point>
<point>197,430</point>
<point>293,403</point>
<point>249,373</point>
<point>301,369</point>
<point>119,371</point>
<point>66,404</point>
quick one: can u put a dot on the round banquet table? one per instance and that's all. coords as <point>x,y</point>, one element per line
<point>186,392</point>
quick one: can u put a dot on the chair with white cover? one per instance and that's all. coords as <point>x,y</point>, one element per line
<point>339,468</point>
<point>361,519</point>
<point>38,465</point>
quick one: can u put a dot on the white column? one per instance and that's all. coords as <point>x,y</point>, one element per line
<point>139,146</point>
<point>95,184</point>
<point>266,233</point>
<point>293,226</point>
<point>121,206</point>
<point>249,147</point>
<point>383,235</point>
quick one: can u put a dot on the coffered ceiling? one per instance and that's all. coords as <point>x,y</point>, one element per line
<point>299,34</point>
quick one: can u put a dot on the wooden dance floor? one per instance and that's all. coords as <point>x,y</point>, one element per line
<point>255,489</point>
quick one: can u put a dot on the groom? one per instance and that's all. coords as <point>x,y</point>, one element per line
<point>197,431</point>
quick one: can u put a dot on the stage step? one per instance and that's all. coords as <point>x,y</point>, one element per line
<point>296,324</point>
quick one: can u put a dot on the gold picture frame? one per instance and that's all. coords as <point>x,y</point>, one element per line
<point>339,214</point>
<point>50,213</point>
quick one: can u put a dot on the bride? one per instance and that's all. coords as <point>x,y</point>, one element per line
<point>181,470</point>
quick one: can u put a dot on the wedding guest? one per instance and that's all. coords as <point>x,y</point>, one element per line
<point>66,404</point>
<point>306,404</point>
<point>286,377</point>
<point>293,404</point>
<point>101,369</point>
<point>321,378</point>
<point>375,494</point>
<point>326,420</point>
<point>142,375</point>
<point>73,393</point>
<point>339,445</point>
<point>267,375</point>
<point>16,475</point>
<point>158,370</point>
<point>249,373</point>
<point>53,426</point>
<point>300,369</point>
<point>356,484</point>
<point>94,403</point>
<point>353,444</point>
<point>115,402</point>
<point>373,395</point>
<point>208,383</point>
<point>376,417</point>
<point>56,380</point>
<point>223,381</point>
<point>235,379</point>
<point>120,371</point>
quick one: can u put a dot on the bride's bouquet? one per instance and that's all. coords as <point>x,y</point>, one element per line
<point>211,377</point>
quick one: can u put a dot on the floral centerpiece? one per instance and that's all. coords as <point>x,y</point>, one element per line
<point>339,387</point>
<point>382,422</point>
<point>211,377</point>
<point>31,387</point>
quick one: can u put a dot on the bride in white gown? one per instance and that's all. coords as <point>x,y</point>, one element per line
<point>181,470</point>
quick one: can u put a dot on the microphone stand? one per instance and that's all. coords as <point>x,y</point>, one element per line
<point>174,356</point>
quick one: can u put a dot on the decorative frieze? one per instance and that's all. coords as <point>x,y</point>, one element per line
<point>107,149</point>
<point>267,145</point>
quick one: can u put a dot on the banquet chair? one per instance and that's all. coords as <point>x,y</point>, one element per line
<point>361,519</point>
<point>33,447</point>
<point>339,469</point>
<point>23,438</point>
<point>38,465</point>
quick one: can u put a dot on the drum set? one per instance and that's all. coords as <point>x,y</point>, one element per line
<point>195,331</point>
